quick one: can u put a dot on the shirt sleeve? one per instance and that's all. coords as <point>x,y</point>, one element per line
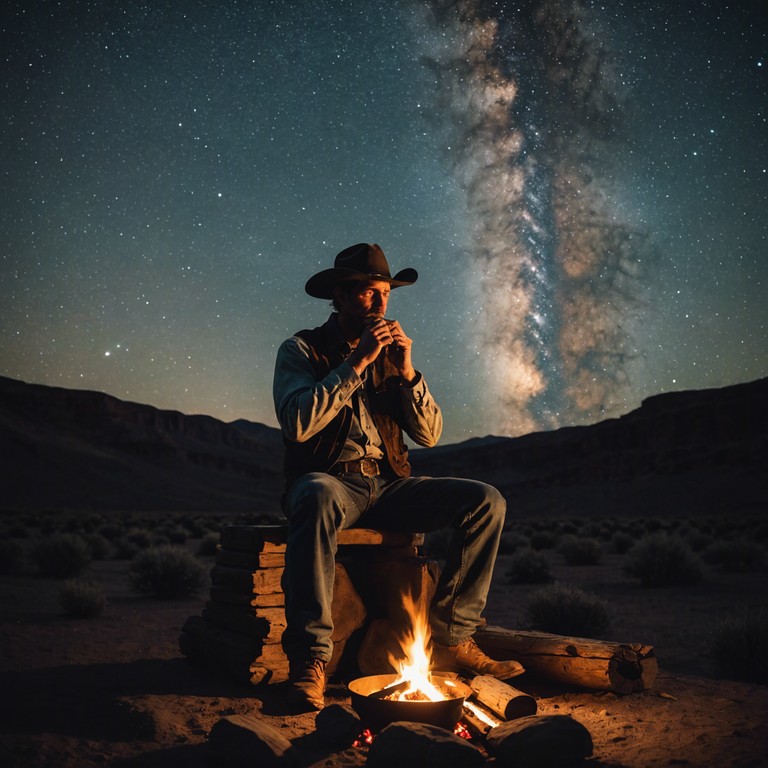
<point>303,404</point>
<point>422,415</point>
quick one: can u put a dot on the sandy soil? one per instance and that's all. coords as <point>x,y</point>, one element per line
<point>116,691</point>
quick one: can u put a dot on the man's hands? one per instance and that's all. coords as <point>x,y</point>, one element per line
<point>384,334</point>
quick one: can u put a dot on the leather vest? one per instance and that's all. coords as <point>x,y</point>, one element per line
<point>321,451</point>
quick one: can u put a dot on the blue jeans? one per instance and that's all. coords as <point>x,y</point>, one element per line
<point>318,505</point>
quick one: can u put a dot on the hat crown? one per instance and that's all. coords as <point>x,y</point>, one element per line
<point>364,258</point>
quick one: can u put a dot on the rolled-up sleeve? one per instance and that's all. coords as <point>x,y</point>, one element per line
<point>303,404</point>
<point>423,419</point>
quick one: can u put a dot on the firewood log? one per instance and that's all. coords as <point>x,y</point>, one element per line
<point>501,698</point>
<point>582,662</point>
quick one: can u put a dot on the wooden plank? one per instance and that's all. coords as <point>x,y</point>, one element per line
<point>369,536</point>
<point>272,538</point>
<point>583,662</point>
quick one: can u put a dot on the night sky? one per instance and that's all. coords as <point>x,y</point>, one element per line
<point>583,188</point>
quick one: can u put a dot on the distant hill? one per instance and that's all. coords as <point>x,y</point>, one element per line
<point>76,449</point>
<point>681,453</point>
<point>694,452</point>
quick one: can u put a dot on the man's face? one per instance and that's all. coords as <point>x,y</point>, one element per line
<point>363,303</point>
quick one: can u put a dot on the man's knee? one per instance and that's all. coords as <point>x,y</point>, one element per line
<point>312,495</point>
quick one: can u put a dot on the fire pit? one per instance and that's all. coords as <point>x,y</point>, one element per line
<point>377,712</point>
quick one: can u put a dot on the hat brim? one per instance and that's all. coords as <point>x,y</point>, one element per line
<point>321,285</point>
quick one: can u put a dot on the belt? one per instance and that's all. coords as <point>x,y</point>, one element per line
<point>364,467</point>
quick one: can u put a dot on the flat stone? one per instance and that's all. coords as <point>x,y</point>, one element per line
<point>540,741</point>
<point>416,745</point>
<point>338,725</point>
<point>247,740</point>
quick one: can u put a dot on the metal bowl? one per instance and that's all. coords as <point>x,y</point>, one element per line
<point>378,713</point>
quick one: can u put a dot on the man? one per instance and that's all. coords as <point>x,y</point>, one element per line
<point>344,393</point>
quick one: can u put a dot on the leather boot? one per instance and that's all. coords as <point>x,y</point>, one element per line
<point>467,657</point>
<point>307,685</point>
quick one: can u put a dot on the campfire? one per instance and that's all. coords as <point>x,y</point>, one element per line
<point>414,693</point>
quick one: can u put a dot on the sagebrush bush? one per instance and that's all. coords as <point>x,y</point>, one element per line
<point>141,537</point>
<point>167,572</point>
<point>209,544</point>
<point>62,555</point>
<point>661,560</point>
<point>564,609</point>
<point>511,542</point>
<point>737,555</point>
<point>576,550</point>
<point>740,646</point>
<point>543,540</point>
<point>527,566</point>
<point>82,599</point>
<point>124,549</point>
<point>622,542</point>
<point>100,546</point>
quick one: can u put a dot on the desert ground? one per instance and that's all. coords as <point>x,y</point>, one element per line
<point>115,689</point>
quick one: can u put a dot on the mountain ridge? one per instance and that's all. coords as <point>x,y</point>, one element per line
<point>693,450</point>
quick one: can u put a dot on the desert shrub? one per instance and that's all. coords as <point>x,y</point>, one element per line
<point>196,528</point>
<point>175,534</point>
<point>82,599</point>
<point>740,646</point>
<point>543,540</point>
<point>19,530</point>
<point>111,531</point>
<point>697,540</point>
<point>141,537</point>
<point>166,572</point>
<point>124,549</point>
<point>527,566</point>
<point>100,547</point>
<point>622,542</point>
<point>62,555</point>
<point>511,542</point>
<point>737,555</point>
<point>208,544</point>
<point>11,556</point>
<point>579,551</point>
<point>567,526</point>
<point>661,560</point>
<point>564,609</point>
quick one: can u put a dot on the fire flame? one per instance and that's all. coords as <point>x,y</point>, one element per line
<point>414,667</point>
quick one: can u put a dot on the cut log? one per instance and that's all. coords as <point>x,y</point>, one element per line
<point>582,662</point>
<point>502,699</point>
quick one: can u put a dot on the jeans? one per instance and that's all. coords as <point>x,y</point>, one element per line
<point>318,505</point>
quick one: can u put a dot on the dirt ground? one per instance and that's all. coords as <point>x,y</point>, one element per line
<point>116,691</point>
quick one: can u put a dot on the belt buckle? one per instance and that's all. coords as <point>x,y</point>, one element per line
<point>368,468</point>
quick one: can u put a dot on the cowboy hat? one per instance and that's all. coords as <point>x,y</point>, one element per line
<point>358,262</point>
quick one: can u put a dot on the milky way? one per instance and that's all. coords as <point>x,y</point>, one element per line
<point>531,95</point>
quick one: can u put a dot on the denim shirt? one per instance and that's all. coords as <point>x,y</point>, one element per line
<point>304,405</point>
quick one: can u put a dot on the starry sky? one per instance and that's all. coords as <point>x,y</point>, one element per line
<point>582,186</point>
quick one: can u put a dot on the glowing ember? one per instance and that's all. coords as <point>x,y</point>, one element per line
<point>480,715</point>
